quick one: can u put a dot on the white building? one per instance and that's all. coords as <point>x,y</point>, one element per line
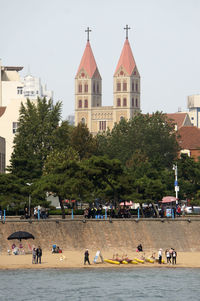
<point>13,91</point>
<point>194,109</point>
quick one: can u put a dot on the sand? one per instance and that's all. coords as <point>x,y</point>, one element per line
<point>74,259</point>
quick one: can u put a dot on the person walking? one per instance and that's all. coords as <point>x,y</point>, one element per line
<point>160,256</point>
<point>174,255</point>
<point>168,256</point>
<point>39,254</point>
<point>86,257</point>
<point>34,256</point>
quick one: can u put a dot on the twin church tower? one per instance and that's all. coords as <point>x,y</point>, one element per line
<point>88,90</point>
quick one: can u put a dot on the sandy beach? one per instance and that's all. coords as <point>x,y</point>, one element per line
<point>74,259</point>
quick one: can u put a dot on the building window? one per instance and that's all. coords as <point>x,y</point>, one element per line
<point>83,120</point>
<point>80,88</point>
<point>118,102</point>
<point>94,88</point>
<point>132,102</point>
<point>19,90</point>
<point>15,126</point>
<point>118,86</point>
<point>124,102</point>
<point>102,125</point>
<point>132,86</point>
<point>192,118</point>
<point>136,87</point>
<point>86,103</point>
<point>80,103</point>
<point>97,88</point>
<point>124,86</point>
<point>86,87</point>
<point>136,102</point>
<point>121,118</point>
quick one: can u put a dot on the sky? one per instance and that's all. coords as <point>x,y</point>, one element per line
<point>48,37</point>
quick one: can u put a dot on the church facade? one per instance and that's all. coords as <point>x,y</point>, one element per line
<point>88,91</point>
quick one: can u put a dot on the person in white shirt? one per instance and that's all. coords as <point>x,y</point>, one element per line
<point>160,256</point>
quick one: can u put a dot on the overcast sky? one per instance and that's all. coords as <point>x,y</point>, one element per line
<point>49,36</point>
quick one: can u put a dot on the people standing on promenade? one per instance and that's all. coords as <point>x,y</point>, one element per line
<point>160,256</point>
<point>86,257</point>
<point>174,255</point>
<point>168,256</point>
<point>39,254</point>
<point>34,255</point>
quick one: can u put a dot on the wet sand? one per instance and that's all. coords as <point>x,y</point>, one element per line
<point>74,259</point>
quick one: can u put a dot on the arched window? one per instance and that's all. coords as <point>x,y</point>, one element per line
<point>86,87</point>
<point>132,85</point>
<point>118,102</point>
<point>136,102</point>
<point>83,120</point>
<point>97,88</point>
<point>124,86</point>
<point>124,102</point>
<point>85,103</point>
<point>132,102</point>
<point>80,103</point>
<point>136,87</point>
<point>94,87</point>
<point>80,88</point>
<point>118,86</point>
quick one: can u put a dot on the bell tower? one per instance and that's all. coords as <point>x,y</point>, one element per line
<point>126,83</point>
<point>88,86</point>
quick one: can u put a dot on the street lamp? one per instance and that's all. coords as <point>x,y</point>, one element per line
<point>29,200</point>
<point>176,187</point>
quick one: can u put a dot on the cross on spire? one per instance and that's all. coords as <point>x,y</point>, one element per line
<point>88,30</point>
<point>127,29</point>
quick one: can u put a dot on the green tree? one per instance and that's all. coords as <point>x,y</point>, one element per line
<point>34,138</point>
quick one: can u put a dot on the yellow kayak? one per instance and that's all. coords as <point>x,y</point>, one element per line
<point>149,260</point>
<point>139,260</point>
<point>133,262</point>
<point>111,261</point>
<point>124,262</point>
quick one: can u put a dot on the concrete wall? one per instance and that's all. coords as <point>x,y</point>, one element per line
<point>103,235</point>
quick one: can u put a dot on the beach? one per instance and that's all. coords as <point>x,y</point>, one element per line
<point>75,259</point>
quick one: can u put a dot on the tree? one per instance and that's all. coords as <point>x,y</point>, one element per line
<point>34,138</point>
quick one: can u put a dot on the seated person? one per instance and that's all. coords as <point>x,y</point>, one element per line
<point>53,249</point>
<point>139,247</point>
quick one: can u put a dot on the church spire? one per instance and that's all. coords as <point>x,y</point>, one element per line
<point>126,60</point>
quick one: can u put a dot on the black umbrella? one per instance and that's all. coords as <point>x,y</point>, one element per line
<point>20,235</point>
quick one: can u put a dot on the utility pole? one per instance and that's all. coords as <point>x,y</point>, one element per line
<point>176,187</point>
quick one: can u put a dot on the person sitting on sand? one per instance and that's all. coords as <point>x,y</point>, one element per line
<point>139,247</point>
<point>153,256</point>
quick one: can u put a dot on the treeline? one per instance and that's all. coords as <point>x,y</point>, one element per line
<point>132,162</point>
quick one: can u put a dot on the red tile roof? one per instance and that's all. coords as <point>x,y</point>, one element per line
<point>126,59</point>
<point>189,137</point>
<point>2,110</point>
<point>88,62</point>
<point>178,118</point>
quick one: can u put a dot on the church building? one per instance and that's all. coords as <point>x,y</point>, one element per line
<point>88,90</point>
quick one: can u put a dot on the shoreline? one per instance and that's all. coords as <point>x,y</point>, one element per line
<point>74,260</point>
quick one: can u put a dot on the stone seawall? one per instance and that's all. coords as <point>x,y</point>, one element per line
<point>184,235</point>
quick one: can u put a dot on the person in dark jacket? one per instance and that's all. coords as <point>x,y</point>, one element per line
<point>86,257</point>
<point>39,254</point>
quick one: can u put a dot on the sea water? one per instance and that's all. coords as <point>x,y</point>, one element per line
<point>151,284</point>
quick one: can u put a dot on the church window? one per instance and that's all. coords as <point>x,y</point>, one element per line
<point>124,102</point>
<point>94,87</point>
<point>83,120</point>
<point>86,103</point>
<point>102,125</point>
<point>97,88</point>
<point>132,86</point>
<point>80,88</point>
<point>118,86</point>
<point>80,103</point>
<point>136,102</point>
<point>132,102</point>
<point>86,87</point>
<point>124,86</point>
<point>118,102</point>
<point>19,90</point>
<point>136,87</point>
